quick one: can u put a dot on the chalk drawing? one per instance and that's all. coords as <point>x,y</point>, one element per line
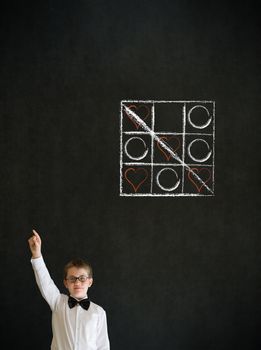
<point>167,148</point>
<point>132,139</point>
<point>169,189</point>
<point>200,160</point>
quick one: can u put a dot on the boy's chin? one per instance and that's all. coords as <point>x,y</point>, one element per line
<point>78,295</point>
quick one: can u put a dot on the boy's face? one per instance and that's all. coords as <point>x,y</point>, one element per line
<point>77,289</point>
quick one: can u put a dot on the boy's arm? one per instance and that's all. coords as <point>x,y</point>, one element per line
<point>103,342</point>
<point>43,279</point>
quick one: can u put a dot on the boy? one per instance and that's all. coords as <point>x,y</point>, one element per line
<point>77,323</point>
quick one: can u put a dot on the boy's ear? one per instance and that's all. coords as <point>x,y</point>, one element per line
<point>91,282</point>
<point>65,284</point>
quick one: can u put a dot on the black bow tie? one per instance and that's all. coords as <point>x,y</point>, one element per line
<point>85,303</point>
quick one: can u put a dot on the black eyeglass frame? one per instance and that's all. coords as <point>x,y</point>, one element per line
<point>82,278</point>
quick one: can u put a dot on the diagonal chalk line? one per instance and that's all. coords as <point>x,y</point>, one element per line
<point>136,118</point>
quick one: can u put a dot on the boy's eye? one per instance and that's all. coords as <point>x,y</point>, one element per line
<point>73,279</point>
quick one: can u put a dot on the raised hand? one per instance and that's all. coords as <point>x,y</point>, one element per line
<point>35,244</point>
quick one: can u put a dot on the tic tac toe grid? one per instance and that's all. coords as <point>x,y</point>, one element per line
<point>167,148</point>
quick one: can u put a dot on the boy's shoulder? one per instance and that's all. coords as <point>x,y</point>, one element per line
<point>96,307</point>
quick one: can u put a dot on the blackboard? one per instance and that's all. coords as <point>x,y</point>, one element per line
<point>171,272</point>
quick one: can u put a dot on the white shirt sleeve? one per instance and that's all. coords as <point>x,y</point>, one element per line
<point>45,283</point>
<point>102,336</point>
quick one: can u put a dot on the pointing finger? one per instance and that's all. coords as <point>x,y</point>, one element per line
<point>36,234</point>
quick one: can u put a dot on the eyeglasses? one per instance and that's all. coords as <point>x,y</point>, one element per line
<point>73,279</point>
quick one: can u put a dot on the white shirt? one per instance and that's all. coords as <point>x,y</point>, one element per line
<point>76,328</point>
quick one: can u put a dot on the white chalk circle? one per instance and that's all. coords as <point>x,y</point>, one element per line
<point>197,126</point>
<point>200,160</point>
<point>169,189</point>
<point>135,157</point>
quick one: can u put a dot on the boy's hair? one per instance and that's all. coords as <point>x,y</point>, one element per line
<point>79,263</point>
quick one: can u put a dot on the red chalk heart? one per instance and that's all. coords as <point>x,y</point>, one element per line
<point>203,173</point>
<point>136,177</point>
<point>173,142</point>
<point>142,111</point>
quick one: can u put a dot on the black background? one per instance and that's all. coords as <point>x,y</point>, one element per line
<point>172,273</point>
